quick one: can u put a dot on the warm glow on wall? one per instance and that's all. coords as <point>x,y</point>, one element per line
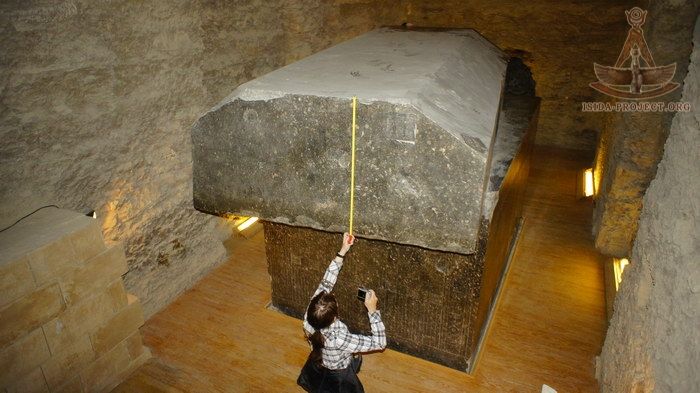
<point>619,267</point>
<point>250,221</point>
<point>588,182</point>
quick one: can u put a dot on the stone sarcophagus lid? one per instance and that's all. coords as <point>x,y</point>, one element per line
<point>434,150</point>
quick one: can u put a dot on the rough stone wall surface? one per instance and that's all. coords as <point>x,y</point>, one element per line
<point>98,99</point>
<point>653,339</point>
<point>559,41</point>
<point>631,144</point>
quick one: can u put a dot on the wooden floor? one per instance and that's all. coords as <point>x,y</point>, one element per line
<point>548,327</point>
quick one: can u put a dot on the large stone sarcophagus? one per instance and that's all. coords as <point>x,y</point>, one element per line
<point>441,159</point>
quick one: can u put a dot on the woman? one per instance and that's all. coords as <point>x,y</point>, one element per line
<point>332,366</point>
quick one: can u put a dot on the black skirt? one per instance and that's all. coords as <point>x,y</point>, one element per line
<point>315,378</point>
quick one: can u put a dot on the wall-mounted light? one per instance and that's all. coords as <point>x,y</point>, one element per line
<point>92,214</point>
<point>619,266</point>
<point>247,223</point>
<point>588,189</point>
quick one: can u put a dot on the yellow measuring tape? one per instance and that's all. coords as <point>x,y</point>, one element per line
<point>352,162</point>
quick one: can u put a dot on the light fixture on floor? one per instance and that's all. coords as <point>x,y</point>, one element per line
<point>247,223</point>
<point>619,265</point>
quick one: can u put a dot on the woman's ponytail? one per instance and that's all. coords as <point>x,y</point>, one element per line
<point>317,342</point>
<point>322,311</point>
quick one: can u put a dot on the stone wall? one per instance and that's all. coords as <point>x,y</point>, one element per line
<point>631,144</point>
<point>98,99</point>
<point>559,41</point>
<point>653,339</point>
<point>66,322</point>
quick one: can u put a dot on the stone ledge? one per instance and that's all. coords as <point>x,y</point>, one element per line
<point>41,229</point>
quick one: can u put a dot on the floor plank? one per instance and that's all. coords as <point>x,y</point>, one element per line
<point>548,327</point>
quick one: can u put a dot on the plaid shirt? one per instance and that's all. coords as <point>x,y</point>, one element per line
<point>340,344</point>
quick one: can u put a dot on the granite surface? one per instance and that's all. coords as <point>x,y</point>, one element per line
<point>279,146</point>
<point>434,303</point>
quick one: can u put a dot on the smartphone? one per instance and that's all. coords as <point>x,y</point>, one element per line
<point>362,294</point>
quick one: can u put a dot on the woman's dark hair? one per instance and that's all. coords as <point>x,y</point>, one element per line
<point>322,311</point>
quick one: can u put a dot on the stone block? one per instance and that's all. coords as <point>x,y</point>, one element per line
<point>96,274</point>
<point>52,241</point>
<point>63,256</point>
<point>63,366</point>
<point>118,328</point>
<point>29,312</point>
<point>116,295</point>
<point>612,238</point>
<point>53,260</point>
<point>134,344</point>
<point>131,368</point>
<point>88,242</point>
<point>414,282</point>
<point>60,335</point>
<point>105,371</point>
<point>34,382</point>
<point>39,230</point>
<point>16,280</point>
<point>75,385</point>
<point>84,317</point>
<point>22,357</point>
<point>428,102</point>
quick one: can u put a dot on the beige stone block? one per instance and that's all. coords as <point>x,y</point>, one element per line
<point>130,368</point>
<point>66,365</point>
<point>75,385</point>
<point>22,357</point>
<point>106,370</point>
<point>34,382</point>
<point>627,184</point>
<point>52,261</point>
<point>84,317</point>
<point>60,336</point>
<point>612,238</point>
<point>117,295</point>
<point>95,275</point>
<point>117,329</point>
<point>16,280</point>
<point>88,242</point>
<point>28,313</point>
<point>122,372</point>
<point>44,227</point>
<point>134,344</point>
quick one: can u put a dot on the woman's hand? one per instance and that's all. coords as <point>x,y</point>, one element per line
<point>348,240</point>
<point>371,301</point>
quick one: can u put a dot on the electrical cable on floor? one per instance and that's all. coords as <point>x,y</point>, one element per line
<point>22,218</point>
